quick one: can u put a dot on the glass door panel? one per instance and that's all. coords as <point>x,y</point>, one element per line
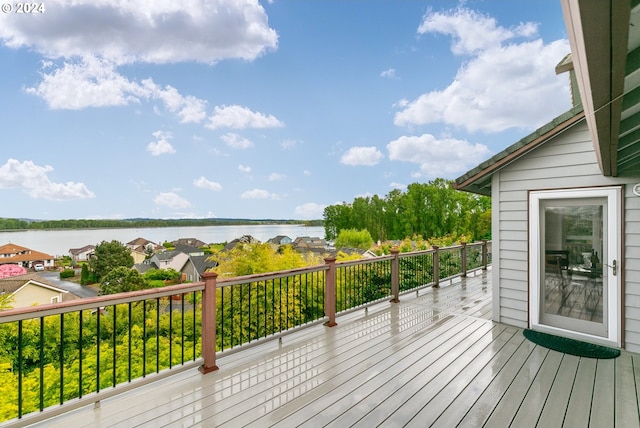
<point>574,293</point>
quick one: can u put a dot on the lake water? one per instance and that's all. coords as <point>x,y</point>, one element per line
<point>58,242</point>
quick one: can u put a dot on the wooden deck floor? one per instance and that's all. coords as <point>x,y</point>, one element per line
<point>432,360</point>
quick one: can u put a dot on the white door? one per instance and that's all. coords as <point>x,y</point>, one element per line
<point>574,286</point>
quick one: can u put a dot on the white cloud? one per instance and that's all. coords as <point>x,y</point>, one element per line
<point>150,32</point>
<point>472,32</point>
<point>368,156</point>
<point>204,183</point>
<point>244,168</point>
<point>437,157</point>
<point>398,186</point>
<point>259,194</point>
<point>239,117</point>
<point>94,82</point>
<point>389,74</point>
<point>235,141</point>
<point>93,38</point>
<point>34,180</point>
<point>171,200</point>
<point>162,146</point>
<point>310,211</point>
<point>506,83</point>
<point>275,176</point>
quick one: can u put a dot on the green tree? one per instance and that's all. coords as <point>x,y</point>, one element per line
<point>109,255</point>
<point>162,274</point>
<point>6,301</point>
<point>122,279</point>
<point>353,238</point>
<point>432,209</point>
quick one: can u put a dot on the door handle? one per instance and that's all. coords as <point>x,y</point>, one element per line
<point>613,266</point>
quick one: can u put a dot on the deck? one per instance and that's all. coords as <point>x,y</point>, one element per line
<point>435,359</point>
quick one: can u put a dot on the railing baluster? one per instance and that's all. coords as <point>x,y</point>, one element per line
<point>170,331</point>
<point>80,346</point>
<point>41,363</point>
<point>129,356</point>
<point>222,312</point>
<point>114,345</point>
<point>182,327</point>
<point>20,373</point>
<point>98,371</point>
<point>144,338</point>
<point>61,358</point>
<point>157,335</point>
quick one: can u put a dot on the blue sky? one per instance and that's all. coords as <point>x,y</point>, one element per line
<point>238,108</point>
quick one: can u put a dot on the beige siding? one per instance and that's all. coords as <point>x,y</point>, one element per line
<point>33,294</point>
<point>565,161</point>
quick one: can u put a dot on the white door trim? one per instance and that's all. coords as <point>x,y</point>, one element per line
<point>614,199</point>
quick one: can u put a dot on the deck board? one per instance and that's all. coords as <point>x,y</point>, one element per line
<point>556,405</point>
<point>435,359</point>
<point>626,394</point>
<point>579,407</point>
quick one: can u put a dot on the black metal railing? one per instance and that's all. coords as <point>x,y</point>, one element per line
<point>362,282</point>
<point>61,356</point>
<point>259,306</point>
<point>54,354</point>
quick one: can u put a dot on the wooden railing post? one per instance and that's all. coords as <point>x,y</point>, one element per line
<point>330,292</point>
<point>436,267</point>
<point>485,257</point>
<point>464,259</point>
<point>209,323</point>
<point>395,275</point>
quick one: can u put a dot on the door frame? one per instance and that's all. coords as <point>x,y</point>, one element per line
<point>613,194</point>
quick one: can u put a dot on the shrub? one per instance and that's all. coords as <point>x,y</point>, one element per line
<point>67,273</point>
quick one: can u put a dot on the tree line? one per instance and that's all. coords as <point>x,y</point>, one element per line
<point>432,209</point>
<point>22,224</point>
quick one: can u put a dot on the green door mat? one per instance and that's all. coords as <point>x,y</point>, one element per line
<point>570,346</point>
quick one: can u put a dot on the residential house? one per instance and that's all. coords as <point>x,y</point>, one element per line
<point>82,254</point>
<point>138,255</point>
<point>193,242</point>
<point>25,257</point>
<point>190,250</point>
<point>195,266</point>
<point>190,266</point>
<point>143,245</point>
<point>245,239</point>
<point>31,289</point>
<point>280,240</point>
<point>566,198</point>
<point>311,244</point>
<point>168,260</point>
<point>141,248</point>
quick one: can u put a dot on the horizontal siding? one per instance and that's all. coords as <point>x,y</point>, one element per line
<point>632,270</point>
<point>565,161</point>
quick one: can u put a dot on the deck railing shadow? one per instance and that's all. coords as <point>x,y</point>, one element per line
<point>62,356</point>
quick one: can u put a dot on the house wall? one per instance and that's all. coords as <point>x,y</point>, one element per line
<point>565,161</point>
<point>33,294</point>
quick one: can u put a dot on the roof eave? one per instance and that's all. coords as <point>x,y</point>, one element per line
<point>478,180</point>
<point>599,57</point>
